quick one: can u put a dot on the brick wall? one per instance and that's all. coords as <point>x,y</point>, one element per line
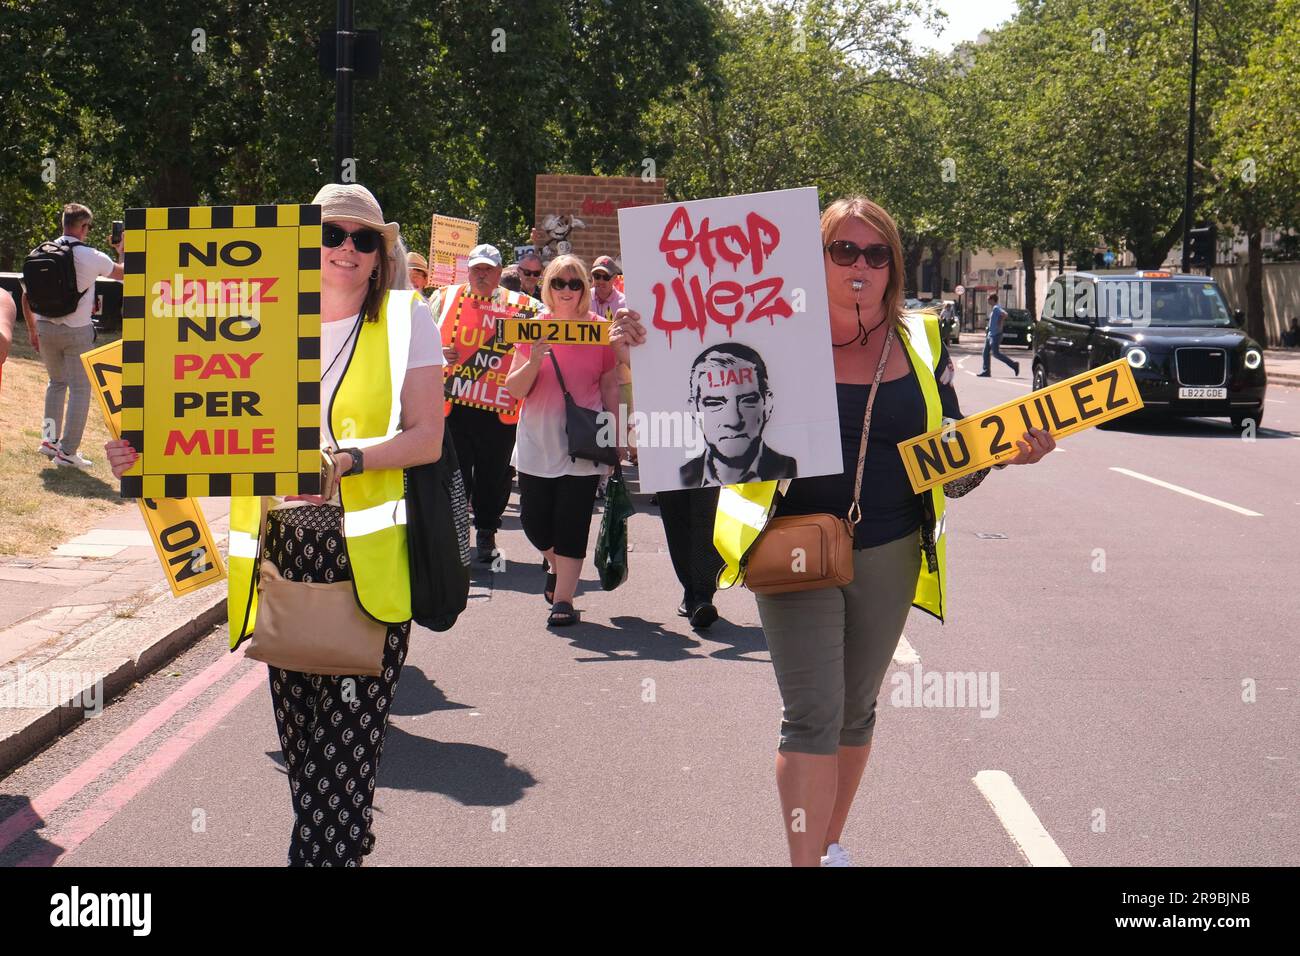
<point>596,201</point>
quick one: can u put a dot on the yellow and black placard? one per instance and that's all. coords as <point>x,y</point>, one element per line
<point>989,438</point>
<point>221,351</point>
<point>554,331</point>
<point>180,533</point>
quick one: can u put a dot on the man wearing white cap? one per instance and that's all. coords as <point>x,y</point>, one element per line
<point>483,430</point>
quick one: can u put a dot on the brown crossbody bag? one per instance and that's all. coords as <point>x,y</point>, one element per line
<point>312,627</point>
<point>808,552</point>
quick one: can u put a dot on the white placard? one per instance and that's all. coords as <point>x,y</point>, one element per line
<point>736,381</point>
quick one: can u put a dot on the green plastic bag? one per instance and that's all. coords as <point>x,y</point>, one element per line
<point>611,544</point>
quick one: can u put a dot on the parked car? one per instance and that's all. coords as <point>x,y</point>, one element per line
<point>949,329</point>
<point>107,315</point>
<point>1189,356</point>
<point>1017,329</point>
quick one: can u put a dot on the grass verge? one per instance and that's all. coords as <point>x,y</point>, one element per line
<point>41,504</point>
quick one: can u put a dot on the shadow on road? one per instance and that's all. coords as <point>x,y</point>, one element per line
<point>630,639</point>
<point>742,640</point>
<point>20,843</point>
<point>418,694</point>
<point>470,774</point>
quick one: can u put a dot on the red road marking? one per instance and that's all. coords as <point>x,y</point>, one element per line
<point>30,817</point>
<point>154,766</point>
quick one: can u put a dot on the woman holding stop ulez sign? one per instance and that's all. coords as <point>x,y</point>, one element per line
<point>831,645</point>
<point>376,420</point>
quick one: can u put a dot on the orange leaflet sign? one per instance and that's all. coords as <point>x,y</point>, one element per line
<point>478,376</point>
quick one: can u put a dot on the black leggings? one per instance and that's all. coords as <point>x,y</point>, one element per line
<point>556,512</point>
<point>331,728</point>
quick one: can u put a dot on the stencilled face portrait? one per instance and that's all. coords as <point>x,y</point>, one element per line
<point>730,395</point>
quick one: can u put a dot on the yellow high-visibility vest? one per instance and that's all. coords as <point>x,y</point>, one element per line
<point>365,411</point>
<point>744,510</point>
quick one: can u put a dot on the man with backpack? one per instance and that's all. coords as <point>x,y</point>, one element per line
<point>58,300</point>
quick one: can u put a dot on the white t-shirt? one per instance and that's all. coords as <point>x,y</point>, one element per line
<point>338,339</point>
<point>90,264</point>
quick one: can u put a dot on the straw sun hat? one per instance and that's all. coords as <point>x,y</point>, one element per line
<point>355,203</point>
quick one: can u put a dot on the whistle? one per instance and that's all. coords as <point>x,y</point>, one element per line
<point>857,285</point>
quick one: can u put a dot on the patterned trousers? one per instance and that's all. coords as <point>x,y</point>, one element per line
<point>331,728</point>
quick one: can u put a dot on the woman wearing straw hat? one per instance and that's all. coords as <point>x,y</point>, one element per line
<point>332,728</point>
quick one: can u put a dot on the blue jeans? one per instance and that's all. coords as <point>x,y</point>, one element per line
<point>992,341</point>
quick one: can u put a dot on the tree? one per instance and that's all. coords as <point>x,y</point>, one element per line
<point>1255,169</point>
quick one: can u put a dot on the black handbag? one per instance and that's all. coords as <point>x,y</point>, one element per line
<point>582,425</point>
<point>437,538</point>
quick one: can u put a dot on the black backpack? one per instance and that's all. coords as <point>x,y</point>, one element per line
<point>50,278</point>
<point>437,535</point>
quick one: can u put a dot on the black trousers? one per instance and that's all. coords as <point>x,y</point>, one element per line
<point>556,512</point>
<point>484,444</point>
<point>331,728</point>
<point>688,526</point>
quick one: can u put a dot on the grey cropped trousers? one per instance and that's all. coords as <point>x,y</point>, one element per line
<point>831,647</point>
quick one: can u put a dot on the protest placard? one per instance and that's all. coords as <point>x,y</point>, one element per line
<point>221,351</point>
<point>989,438</point>
<point>450,241</point>
<point>177,527</point>
<point>478,376</point>
<point>736,382</point>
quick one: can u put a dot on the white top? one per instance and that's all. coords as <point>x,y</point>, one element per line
<point>338,339</point>
<point>90,264</point>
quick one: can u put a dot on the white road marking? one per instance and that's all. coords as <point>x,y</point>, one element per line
<point>905,653</point>
<point>1275,401</point>
<point>1191,494</point>
<point>1004,381</point>
<point>961,363</point>
<point>1018,819</point>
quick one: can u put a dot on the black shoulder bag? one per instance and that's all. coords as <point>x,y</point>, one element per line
<point>582,425</point>
<point>437,539</point>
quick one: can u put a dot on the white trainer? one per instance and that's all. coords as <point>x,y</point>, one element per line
<point>75,460</point>
<point>836,855</point>
<point>49,449</point>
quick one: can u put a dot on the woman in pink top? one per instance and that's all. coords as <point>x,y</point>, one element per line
<point>556,490</point>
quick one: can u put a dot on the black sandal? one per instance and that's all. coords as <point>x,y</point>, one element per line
<point>562,615</point>
<point>548,589</point>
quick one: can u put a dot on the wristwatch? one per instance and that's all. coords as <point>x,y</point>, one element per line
<point>358,462</point>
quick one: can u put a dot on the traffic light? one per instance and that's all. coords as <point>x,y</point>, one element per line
<point>1203,241</point>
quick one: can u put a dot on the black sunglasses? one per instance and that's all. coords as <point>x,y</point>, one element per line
<point>602,276</point>
<point>535,273</point>
<point>575,285</point>
<point>363,240</point>
<point>845,253</point>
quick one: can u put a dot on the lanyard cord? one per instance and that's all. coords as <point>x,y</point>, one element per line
<point>343,348</point>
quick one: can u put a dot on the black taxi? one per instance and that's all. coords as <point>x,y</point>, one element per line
<point>1189,356</point>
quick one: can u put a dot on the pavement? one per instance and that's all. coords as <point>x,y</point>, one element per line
<point>96,613</point>
<point>1126,605</point>
<point>1283,366</point>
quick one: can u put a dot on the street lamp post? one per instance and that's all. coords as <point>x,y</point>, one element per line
<point>1191,140</point>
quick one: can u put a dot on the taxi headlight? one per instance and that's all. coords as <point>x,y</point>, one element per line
<point>1254,358</point>
<point>1137,358</point>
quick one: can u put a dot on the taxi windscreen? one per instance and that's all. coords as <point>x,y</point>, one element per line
<point>1158,303</point>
